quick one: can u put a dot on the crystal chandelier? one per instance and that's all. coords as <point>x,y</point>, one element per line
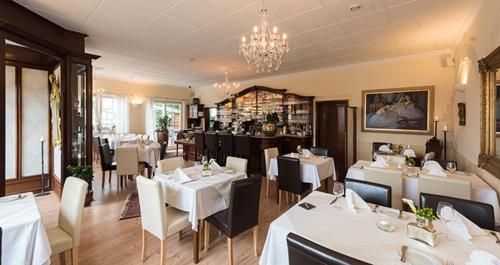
<point>264,49</point>
<point>226,86</point>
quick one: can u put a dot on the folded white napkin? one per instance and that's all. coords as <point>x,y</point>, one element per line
<point>433,168</point>
<point>460,225</point>
<point>409,152</point>
<point>180,176</point>
<point>215,167</point>
<point>306,153</point>
<point>355,202</point>
<point>384,148</point>
<point>480,257</point>
<point>380,162</point>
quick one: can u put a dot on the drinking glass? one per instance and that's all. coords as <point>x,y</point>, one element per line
<point>446,214</point>
<point>203,159</point>
<point>338,189</point>
<point>451,166</point>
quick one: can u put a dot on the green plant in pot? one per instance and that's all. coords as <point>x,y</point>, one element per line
<point>85,173</point>
<point>270,125</point>
<point>162,124</point>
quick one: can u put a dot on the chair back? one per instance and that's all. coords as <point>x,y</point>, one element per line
<point>212,142</point>
<point>106,157</point>
<point>242,146</point>
<point>376,146</point>
<point>163,150</point>
<point>443,163</point>
<point>318,151</point>
<point>482,214</point>
<point>237,164</point>
<point>371,192</point>
<point>388,177</point>
<point>226,146</point>
<point>153,212</point>
<point>199,143</point>
<point>269,154</point>
<point>243,211</point>
<point>71,211</point>
<point>170,164</point>
<point>127,161</point>
<point>289,174</point>
<point>444,186</point>
<point>302,251</point>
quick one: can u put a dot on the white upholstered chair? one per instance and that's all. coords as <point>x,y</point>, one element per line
<point>269,154</point>
<point>394,159</point>
<point>66,235</point>
<point>170,164</point>
<point>444,186</point>
<point>236,164</point>
<point>389,177</point>
<point>158,220</point>
<point>127,164</point>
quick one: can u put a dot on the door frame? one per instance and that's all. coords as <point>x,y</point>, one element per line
<point>315,118</point>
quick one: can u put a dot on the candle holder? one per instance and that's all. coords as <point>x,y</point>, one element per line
<point>445,148</point>
<point>42,185</point>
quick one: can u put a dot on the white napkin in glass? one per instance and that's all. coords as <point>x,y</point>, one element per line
<point>433,168</point>
<point>355,202</point>
<point>384,148</point>
<point>215,167</point>
<point>380,162</point>
<point>462,226</point>
<point>480,257</point>
<point>307,153</point>
<point>409,153</point>
<point>180,176</point>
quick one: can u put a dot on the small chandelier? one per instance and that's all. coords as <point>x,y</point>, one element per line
<point>264,49</point>
<point>226,86</point>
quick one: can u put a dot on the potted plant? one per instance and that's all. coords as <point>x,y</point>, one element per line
<point>162,124</point>
<point>85,173</point>
<point>424,216</point>
<point>270,125</point>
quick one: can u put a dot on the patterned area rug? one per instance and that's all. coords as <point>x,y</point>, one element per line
<point>131,208</point>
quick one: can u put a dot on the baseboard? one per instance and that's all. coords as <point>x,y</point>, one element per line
<point>26,184</point>
<point>56,183</point>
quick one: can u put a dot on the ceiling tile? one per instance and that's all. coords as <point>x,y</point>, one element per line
<point>332,31</point>
<point>309,20</point>
<point>340,9</point>
<point>378,34</point>
<point>287,8</point>
<point>366,22</point>
<point>336,44</point>
<point>193,12</point>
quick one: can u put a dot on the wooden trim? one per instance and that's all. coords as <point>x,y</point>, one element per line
<point>27,184</point>
<point>27,65</point>
<point>57,186</point>
<point>2,113</point>
<point>19,119</point>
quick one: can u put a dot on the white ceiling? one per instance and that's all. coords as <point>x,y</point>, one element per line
<point>190,42</point>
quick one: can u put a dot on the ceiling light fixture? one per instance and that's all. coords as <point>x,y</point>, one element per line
<point>226,86</point>
<point>265,47</point>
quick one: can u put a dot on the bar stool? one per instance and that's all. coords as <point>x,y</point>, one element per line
<point>212,141</point>
<point>199,144</point>
<point>226,146</point>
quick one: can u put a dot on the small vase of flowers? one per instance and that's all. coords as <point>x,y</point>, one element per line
<point>206,168</point>
<point>422,230</point>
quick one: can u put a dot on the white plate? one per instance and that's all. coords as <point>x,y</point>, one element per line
<point>417,257</point>
<point>392,213</point>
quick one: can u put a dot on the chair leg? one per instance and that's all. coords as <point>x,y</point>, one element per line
<point>110,173</point>
<point>103,179</point>
<point>279,200</point>
<point>144,246</point>
<point>179,235</point>
<point>229,251</point>
<point>163,251</point>
<point>207,236</point>
<point>255,240</point>
<point>74,256</point>
<point>267,188</point>
<point>62,258</point>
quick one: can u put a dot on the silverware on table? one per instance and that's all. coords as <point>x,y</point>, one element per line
<point>496,236</point>
<point>334,200</point>
<point>374,210</point>
<point>404,248</point>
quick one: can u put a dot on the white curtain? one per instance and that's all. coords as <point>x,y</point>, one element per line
<point>122,125</point>
<point>150,119</point>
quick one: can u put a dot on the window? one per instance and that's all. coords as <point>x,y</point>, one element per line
<point>174,112</point>
<point>110,111</point>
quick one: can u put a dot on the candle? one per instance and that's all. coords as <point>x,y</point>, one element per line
<point>42,139</point>
<point>436,118</point>
<point>445,128</point>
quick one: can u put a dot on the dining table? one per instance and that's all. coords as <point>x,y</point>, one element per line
<point>313,169</point>
<point>356,234</point>
<point>147,152</point>
<point>24,239</point>
<point>201,196</point>
<point>481,191</point>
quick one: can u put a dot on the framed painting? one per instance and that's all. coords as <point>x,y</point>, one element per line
<point>398,110</point>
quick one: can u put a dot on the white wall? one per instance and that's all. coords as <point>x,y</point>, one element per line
<point>348,82</point>
<point>10,122</point>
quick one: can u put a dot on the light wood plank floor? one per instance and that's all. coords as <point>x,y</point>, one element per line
<point>106,240</point>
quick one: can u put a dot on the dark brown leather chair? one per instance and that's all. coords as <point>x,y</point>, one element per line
<point>242,146</point>
<point>318,151</point>
<point>481,214</point>
<point>199,144</point>
<point>163,151</point>
<point>289,177</point>
<point>371,192</point>
<point>241,215</point>
<point>443,163</point>
<point>305,252</point>
<point>212,142</point>
<point>106,141</point>
<point>107,163</point>
<point>226,146</point>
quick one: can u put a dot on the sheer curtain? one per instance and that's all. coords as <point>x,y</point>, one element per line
<point>150,119</point>
<point>122,115</point>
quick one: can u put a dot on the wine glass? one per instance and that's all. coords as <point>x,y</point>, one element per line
<point>451,166</point>
<point>445,213</point>
<point>338,189</point>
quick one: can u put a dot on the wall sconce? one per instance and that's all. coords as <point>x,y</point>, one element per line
<point>463,71</point>
<point>136,102</point>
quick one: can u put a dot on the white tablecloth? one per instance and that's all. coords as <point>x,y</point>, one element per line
<point>481,191</point>
<point>202,197</point>
<point>147,153</point>
<point>24,240</point>
<point>356,235</point>
<point>313,170</point>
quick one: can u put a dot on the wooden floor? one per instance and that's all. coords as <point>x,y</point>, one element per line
<point>106,240</point>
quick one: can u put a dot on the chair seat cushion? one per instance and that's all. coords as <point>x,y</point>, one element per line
<point>59,240</point>
<point>177,220</point>
<point>220,221</point>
